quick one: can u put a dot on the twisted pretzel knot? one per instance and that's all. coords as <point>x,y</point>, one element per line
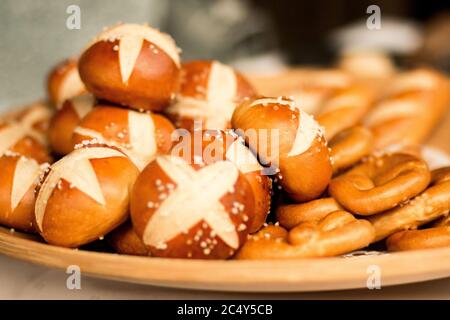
<point>337,233</point>
<point>380,183</point>
<point>291,215</point>
<point>349,146</point>
<point>431,204</point>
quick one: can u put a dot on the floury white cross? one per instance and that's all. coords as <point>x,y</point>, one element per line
<point>187,205</point>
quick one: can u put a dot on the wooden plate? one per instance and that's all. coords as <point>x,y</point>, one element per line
<point>251,276</point>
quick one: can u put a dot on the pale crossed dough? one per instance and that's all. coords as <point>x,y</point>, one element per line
<point>218,105</point>
<point>26,173</point>
<point>82,104</point>
<point>196,197</point>
<point>71,86</point>
<point>308,129</point>
<point>13,132</point>
<point>131,38</point>
<point>142,146</point>
<point>76,169</point>
<point>242,157</point>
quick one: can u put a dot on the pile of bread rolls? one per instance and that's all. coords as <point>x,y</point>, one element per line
<point>151,154</point>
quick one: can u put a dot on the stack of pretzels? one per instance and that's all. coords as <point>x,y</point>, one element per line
<point>165,158</point>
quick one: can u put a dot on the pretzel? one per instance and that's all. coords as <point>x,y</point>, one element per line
<point>413,104</point>
<point>431,204</point>
<point>349,147</point>
<point>187,210</point>
<point>66,120</point>
<point>36,116</point>
<point>209,93</point>
<point>18,179</point>
<point>436,237</point>
<point>141,136</point>
<point>302,159</point>
<point>336,234</point>
<point>132,65</point>
<point>291,215</point>
<point>380,183</point>
<point>64,83</point>
<point>84,196</point>
<point>124,240</point>
<point>344,109</point>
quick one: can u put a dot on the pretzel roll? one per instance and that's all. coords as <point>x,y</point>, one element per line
<point>291,215</point>
<point>199,211</point>
<point>209,93</point>
<point>345,109</point>
<point>84,196</point>
<point>19,138</point>
<point>124,240</point>
<point>431,204</point>
<point>349,147</point>
<point>132,65</point>
<point>288,138</point>
<point>413,104</point>
<point>368,65</point>
<point>337,233</point>
<point>18,178</point>
<point>219,145</point>
<point>65,121</point>
<point>64,82</point>
<point>380,183</point>
<point>141,136</point>
<point>36,117</point>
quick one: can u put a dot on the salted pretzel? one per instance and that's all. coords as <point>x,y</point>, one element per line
<point>349,147</point>
<point>345,109</point>
<point>337,233</point>
<point>380,183</point>
<point>132,65</point>
<point>141,136</point>
<point>431,204</point>
<point>291,215</point>
<point>410,109</point>
<point>209,93</point>
<point>36,116</point>
<point>66,120</point>
<point>289,139</point>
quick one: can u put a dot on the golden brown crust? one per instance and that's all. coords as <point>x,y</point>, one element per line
<point>71,211</point>
<point>63,82</point>
<point>345,109</point>
<point>66,120</point>
<point>205,214</point>
<point>291,215</point>
<point>125,241</point>
<point>140,135</point>
<point>303,158</point>
<point>349,147</point>
<point>337,233</point>
<point>414,103</point>
<point>380,183</point>
<point>18,179</point>
<point>431,204</point>
<point>152,83</point>
<point>437,237</point>
<point>209,92</point>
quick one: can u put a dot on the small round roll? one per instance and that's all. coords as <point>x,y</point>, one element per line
<point>289,139</point>
<point>141,136</point>
<point>18,178</point>
<point>132,65</point>
<point>84,196</point>
<point>186,210</point>
<point>209,94</point>
<point>64,82</point>
<point>124,240</point>
<point>65,121</point>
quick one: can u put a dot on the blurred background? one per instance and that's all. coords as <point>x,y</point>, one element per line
<point>258,37</point>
